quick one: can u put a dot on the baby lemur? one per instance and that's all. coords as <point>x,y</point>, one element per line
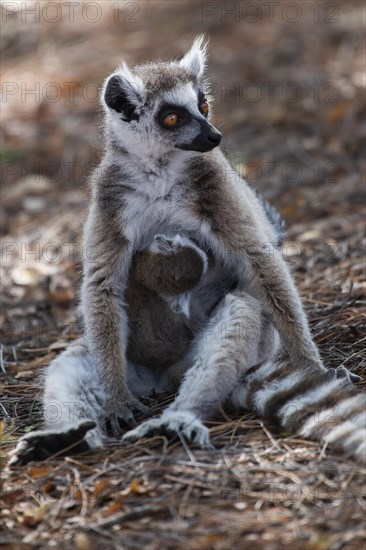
<point>158,301</point>
<point>235,331</point>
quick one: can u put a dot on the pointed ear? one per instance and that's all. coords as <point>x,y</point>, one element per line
<point>123,93</point>
<point>195,58</point>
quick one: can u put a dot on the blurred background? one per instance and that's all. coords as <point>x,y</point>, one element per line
<point>289,87</point>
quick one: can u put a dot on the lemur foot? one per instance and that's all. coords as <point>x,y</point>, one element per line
<point>343,372</point>
<point>42,444</point>
<point>175,423</point>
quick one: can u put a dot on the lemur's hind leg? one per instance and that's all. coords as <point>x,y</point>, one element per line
<point>73,391</point>
<point>73,406</point>
<point>237,336</point>
<point>73,401</point>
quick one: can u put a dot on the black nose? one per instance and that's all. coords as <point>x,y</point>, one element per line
<point>214,138</point>
<point>206,140</point>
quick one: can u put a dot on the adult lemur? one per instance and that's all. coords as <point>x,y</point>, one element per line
<point>164,189</point>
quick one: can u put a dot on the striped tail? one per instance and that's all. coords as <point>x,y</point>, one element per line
<point>314,404</point>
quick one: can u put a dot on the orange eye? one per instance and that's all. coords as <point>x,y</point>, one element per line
<point>204,108</point>
<point>171,119</point>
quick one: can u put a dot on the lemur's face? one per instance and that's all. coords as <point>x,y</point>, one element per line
<point>162,107</point>
<point>182,119</point>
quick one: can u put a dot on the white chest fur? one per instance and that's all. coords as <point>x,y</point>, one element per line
<point>158,203</point>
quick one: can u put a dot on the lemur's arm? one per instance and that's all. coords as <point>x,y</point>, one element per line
<point>236,231</point>
<point>107,259</point>
<point>171,266</point>
<point>275,286</point>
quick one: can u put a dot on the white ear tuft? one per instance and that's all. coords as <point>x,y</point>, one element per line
<point>133,80</point>
<point>195,58</point>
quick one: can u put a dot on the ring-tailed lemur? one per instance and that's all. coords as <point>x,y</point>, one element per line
<point>163,173</point>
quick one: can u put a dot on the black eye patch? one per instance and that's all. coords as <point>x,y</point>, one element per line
<point>166,109</point>
<point>201,97</point>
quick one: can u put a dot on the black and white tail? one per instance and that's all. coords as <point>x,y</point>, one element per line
<point>313,404</point>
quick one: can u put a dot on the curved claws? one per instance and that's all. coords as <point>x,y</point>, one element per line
<point>115,420</point>
<point>343,372</point>
<point>129,419</point>
<point>143,409</point>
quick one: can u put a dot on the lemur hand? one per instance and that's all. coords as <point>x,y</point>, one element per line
<point>120,410</point>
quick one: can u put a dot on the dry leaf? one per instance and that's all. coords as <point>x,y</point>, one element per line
<point>134,486</point>
<point>38,472</point>
<point>26,375</point>
<point>33,517</point>
<point>2,427</point>
<point>58,345</point>
<point>99,487</point>
<point>49,486</point>
<point>40,362</point>
<point>240,505</point>
<point>77,494</point>
<point>309,235</point>
<point>113,509</point>
<point>337,112</point>
<point>62,295</point>
<point>82,542</point>
<point>26,276</point>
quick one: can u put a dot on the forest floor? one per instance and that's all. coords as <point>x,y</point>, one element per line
<point>291,97</point>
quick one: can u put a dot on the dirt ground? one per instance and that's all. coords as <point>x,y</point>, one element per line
<point>289,87</point>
